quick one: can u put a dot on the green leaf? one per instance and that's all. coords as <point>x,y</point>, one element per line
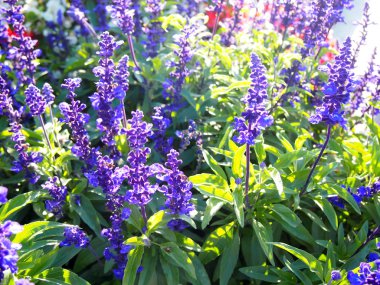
<point>328,210</point>
<point>260,273</point>
<point>134,261</point>
<point>285,160</point>
<point>287,215</point>
<point>345,195</point>
<point>313,264</point>
<point>229,259</point>
<point>238,195</point>
<point>216,242</point>
<point>19,202</point>
<point>178,257</point>
<point>276,177</point>
<point>238,162</point>
<point>38,229</point>
<point>155,221</point>
<point>287,145</point>
<point>212,186</point>
<point>136,241</point>
<point>58,276</point>
<point>214,165</point>
<point>171,272</point>
<point>186,242</point>
<point>264,235</point>
<point>225,90</point>
<point>260,151</point>
<point>88,214</point>
<point>301,276</point>
<point>213,205</point>
<point>149,264</point>
<point>315,219</point>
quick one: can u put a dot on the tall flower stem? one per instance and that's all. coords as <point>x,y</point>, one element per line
<point>124,121</point>
<point>215,25</point>
<point>317,160</point>
<point>53,123</point>
<point>373,235</point>
<point>130,43</point>
<point>247,174</point>
<point>45,132</point>
<point>143,213</point>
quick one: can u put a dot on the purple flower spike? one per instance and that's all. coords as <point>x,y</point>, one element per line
<point>35,100</point>
<point>8,250</point>
<point>177,190</point>
<point>75,236</point>
<point>337,90</point>
<point>58,195</point>
<point>255,117</point>
<point>3,194</point>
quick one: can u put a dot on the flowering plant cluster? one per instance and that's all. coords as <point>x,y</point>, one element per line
<point>187,142</point>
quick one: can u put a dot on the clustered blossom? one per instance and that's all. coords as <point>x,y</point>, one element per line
<point>316,32</point>
<point>138,172</point>
<point>48,93</point>
<point>35,100</point>
<point>25,158</point>
<point>191,134</point>
<point>336,90</point>
<point>101,12</point>
<point>366,274</point>
<point>154,31</point>
<point>161,122</point>
<point>177,190</point>
<point>173,85</point>
<point>233,25</point>
<point>362,193</point>
<point>78,12</point>
<point>56,37</point>
<point>366,82</point>
<point>74,236</point>
<point>23,54</point>
<point>335,275</point>
<point>77,121</point>
<point>109,117</point>
<point>188,7</point>
<point>3,194</point>
<point>58,195</point>
<point>364,33</point>
<point>8,250</point>
<point>122,13</point>
<point>292,78</point>
<point>255,117</point>
<point>137,18</point>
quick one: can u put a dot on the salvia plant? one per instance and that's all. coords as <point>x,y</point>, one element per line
<point>187,142</point>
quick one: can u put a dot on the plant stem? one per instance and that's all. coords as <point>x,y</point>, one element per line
<point>317,160</point>
<point>247,161</point>
<point>124,121</point>
<point>143,213</point>
<point>45,132</point>
<point>53,123</point>
<point>130,43</point>
<point>369,238</point>
<point>215,25</point>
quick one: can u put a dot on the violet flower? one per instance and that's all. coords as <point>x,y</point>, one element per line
<point>365,275</point>
<point>255,117</point>
<point>23,54</point>
<point>123,15</point>
<point>58,195</point>
<point>109,117</point>
<point>161,122</point>
<point>78,13</point>
<point>77,121</point>
<point>37,105</point>
<point>25,159</point>
<point>74,236</point>
<point>154,31</point>
<point>138,172</point>
<point>172,87</point>
<point>8,250</point>
<point>177,190</point>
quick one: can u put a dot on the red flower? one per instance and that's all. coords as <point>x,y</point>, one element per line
<point>226,13</point>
